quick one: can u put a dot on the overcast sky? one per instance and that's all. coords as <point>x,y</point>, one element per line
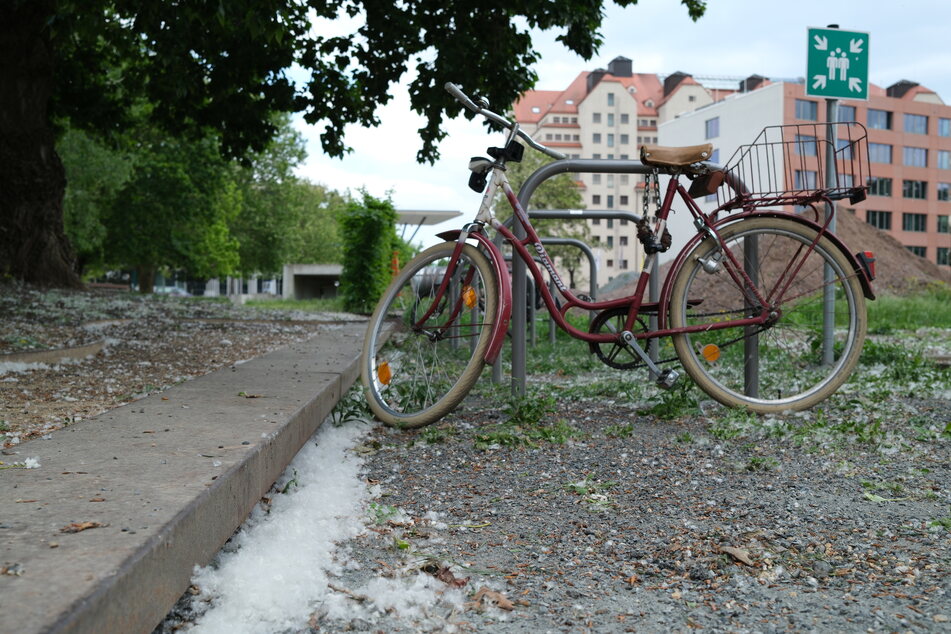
<point>736,38</point>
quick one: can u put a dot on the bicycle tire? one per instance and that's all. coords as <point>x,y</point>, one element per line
<point>791,374</point>
<point>431,367</point>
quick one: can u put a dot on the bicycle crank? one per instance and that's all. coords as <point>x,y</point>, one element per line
<point>666,379</point>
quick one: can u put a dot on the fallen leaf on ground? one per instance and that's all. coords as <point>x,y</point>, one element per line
<point>445,575</point>
<point>246,395</point>
<point>485,596</point>
<point>78,527</point>
<point>737,553</point>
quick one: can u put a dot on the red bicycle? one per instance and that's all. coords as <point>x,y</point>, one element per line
<point>765,307</point>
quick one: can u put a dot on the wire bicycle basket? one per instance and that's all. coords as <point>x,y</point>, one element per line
<point>787,165</point>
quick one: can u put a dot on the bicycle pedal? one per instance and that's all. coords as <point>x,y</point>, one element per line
<point>667,379</point>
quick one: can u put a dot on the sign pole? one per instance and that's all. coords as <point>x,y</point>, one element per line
<point>828,297</point>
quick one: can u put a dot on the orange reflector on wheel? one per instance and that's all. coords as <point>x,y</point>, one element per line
<point>469,296</point>
<point>710,352</point>
<point>383,373</point>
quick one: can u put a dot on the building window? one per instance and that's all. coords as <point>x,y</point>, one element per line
<point>595,179</point>
<point>846,113</point>
<point>805,180</point>
<point>915,156</point>
<point>944,127</point>
<point>941,257</point>
<point>806,109</point>
<point>610,180</point>
<point>596,156</point>
<point>944,192</point>
<point>595,221</point>
<point>914,222</point>
<point>625,178</point>
<point>610,223</point>
<point>610,139</point>
<point>624,264</point>
<point>805,145</point>
<point>596,199</point>
<point>611,119</point>
<point>623,241</point>
<point>919,251</point>
<point>610,98</point>
<point>625,140</point>
<point>610,201</point>
<point>943,225</point>
<point>610,264</point>
<point>712,127</point>
<point>845,180</point>
<point>879,219</point>
<point>914,189</point>
<point>916,123</point>
<point>624,157</point>
<point>879,153</point>
<point>610,241</point>
<point>595,117</point>
<point>623,201</point>
<point>944,160</point>
<point>625,118</point>
<point>879,186</point>
<point>596,137</point>
<point>879,119</point>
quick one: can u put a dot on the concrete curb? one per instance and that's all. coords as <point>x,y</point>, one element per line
<point>167,479</point>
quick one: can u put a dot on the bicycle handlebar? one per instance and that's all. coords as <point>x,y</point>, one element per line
<point>462,98</point>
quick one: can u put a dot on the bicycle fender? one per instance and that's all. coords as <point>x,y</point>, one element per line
<point>679,260</point>
<point>504,311</point>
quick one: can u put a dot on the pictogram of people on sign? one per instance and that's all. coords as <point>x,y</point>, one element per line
<point>838,60</point>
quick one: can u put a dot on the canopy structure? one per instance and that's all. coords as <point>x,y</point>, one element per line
<point>420,217</point>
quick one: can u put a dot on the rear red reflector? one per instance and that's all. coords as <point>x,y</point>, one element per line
<point>867,260</point>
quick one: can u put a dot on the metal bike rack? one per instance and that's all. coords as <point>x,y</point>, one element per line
<point>587,166</point>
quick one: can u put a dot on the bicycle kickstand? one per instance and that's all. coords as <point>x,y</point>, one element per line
<point>666,379</point>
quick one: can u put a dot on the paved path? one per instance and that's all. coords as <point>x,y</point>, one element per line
<point>162,483</point>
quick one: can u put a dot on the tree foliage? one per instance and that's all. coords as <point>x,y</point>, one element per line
<point>95,173</point>
<point>175,210</point>
<point>369,238</point>
<point>223,66</point>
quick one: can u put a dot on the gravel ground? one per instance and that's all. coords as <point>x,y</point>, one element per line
<point>148,344</point>
<point>593,507</point>
<point>667,514</point>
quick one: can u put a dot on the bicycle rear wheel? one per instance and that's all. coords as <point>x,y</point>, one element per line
<point>424,350</point>
<point>776,367</point>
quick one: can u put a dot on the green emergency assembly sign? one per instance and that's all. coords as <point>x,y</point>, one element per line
<point>837,64</point>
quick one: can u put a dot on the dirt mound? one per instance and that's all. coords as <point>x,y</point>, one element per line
<point>898,271</point>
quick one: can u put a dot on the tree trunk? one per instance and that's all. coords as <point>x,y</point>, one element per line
<point>33,244</point>
<point>146,276</point>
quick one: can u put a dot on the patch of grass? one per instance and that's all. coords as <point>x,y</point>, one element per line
<point>928,308</point>
<point>684,438</point>
<point>329,305</point>
<point>761,463</point>
<point>352,407</point>
<point>677,402</point>
<point>4,426</point>
<point>436,435</point>
<point>619,431</point>
<point>382,513</point>
<point>530,409</point>
<point>942,522</point>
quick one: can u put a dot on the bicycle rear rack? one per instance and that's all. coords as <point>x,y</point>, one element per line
<point>786,165</point>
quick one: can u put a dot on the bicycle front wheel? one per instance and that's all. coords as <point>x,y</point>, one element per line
<point>425,347</point>
<point>785,364</point>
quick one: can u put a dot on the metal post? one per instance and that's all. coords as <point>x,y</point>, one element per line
<point>653,295</point>
<point>828,295</point>
<point>751,338</point>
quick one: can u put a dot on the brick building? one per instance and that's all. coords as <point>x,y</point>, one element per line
<point>610,113</point>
